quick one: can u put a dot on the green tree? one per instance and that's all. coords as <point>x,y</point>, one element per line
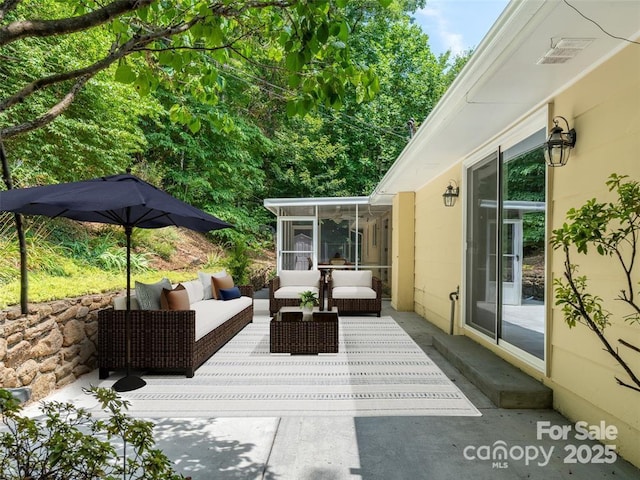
<point>183,45</point>
<point>347,151</point>
<point>412,80</point>
<point>332,152</point>
<point>215,170</point>
<point>305,161</point>
<point>525,180</point>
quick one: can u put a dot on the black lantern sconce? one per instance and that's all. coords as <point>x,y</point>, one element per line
<point>451,194</point>
<point>559,145</point>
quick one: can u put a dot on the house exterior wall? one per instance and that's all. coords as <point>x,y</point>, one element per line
<point>438,246</point>
<point>402,248</point>
<point>604,108</point>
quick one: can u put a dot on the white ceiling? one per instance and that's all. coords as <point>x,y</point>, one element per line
<point>503,82</point>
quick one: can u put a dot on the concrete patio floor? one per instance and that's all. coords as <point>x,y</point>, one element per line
<point>380,448</point>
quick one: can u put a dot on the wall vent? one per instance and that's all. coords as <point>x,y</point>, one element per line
<point>564,50</point>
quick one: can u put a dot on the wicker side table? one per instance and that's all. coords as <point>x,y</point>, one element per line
<point>316,333</point>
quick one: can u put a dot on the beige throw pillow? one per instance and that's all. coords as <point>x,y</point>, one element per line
<point>176,299</point>
<point>220,282</point>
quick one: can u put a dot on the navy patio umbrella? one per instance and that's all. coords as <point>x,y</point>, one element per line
<point>119,200</point>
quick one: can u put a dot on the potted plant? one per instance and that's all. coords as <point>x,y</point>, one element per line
<point>308,300</point>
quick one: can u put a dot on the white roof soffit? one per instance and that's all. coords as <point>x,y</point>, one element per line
<point>273,204</point>
<point>517,68</point>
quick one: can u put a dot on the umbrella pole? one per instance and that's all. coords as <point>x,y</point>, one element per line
<point>128,382</point>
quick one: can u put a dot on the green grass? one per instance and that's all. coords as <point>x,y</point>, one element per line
<point>67,260</point>
<point>44,288</point>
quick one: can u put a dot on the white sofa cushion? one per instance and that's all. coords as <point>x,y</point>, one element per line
<point>294,291</point>
<point>205,279</point>
<point>351,278</point>
<point>213,313</point>
<point>120,302</point>
<point>195,290</point>
<point>209,313</point>
<point>299,278</point>
<point>353,292</point>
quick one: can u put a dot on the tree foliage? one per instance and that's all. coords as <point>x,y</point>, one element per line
<point>525,180</point>
<point>69,442</point>
<point>347,151</point>
<point>612,229</point>
<point>183,45</point>
<point>220,103</point>
<point>228,75</point>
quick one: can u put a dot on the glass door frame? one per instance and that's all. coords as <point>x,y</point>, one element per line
<point>516,261</point>
<point>477,247</point>
<point>526,129</point>
<point>314,239</point>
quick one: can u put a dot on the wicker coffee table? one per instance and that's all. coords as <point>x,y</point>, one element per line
<point>296,333</point>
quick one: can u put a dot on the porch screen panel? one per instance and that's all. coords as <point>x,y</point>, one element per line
<point>481,245</point>
<point>296,244</point>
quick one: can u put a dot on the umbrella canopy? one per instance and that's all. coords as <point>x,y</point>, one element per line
<point>119,200</point>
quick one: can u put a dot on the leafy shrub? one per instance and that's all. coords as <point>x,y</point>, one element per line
<point>89,249</point>
<point>238,262</point>
<point>611,229</point>
<point>69,443</point>
<point>116,259</point>
<point>161,241</point>
<point>214,260</point>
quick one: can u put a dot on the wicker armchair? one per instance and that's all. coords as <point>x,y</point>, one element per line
<point>285,289</point>
<point>354,292</point>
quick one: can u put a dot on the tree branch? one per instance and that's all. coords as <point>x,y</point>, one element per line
<point>629,345</point>
<point>627,272</point>
<point>47,28</point>
<point>135,44</point>
<point>7,6</point>
<point>31,28</point>
<point>593,326</point>
<point>624,384</point>
<point>49,116</point>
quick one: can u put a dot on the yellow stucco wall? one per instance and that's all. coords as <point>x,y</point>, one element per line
<point>604,108</point>
<point>402,248</point>
<point>438,246</point>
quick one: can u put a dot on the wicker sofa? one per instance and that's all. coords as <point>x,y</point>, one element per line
<point>354,292</point>
<point>285,289</point>
<point>170,340</point>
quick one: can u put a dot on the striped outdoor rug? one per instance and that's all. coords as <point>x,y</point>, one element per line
<point>380,371</point>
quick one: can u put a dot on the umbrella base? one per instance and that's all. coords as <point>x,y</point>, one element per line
<point>128,383</point>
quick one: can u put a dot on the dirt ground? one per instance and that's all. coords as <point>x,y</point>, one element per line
<point>193,249</point>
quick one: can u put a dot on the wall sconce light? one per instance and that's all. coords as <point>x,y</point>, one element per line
<point>559,145</point>
<point>451,194</point>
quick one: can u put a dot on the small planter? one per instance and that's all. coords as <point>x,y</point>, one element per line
<point>308,300</point>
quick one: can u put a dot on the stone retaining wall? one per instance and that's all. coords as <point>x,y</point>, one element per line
<point>533,285</point>
<point>52,345</point>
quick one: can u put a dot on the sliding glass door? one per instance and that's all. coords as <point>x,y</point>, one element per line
<point>481,262</point>
<point>523,209</point>
<point>505,246</point>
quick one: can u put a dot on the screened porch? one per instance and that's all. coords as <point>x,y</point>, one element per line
<point>333,233</point>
